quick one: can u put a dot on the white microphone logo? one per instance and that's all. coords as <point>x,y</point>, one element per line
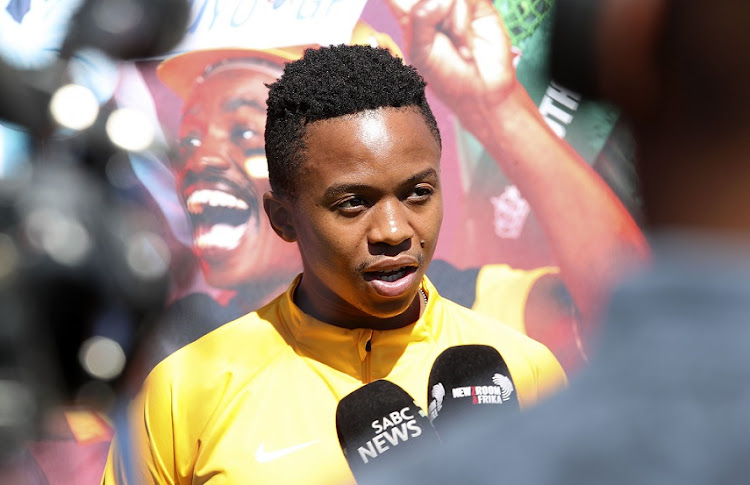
<point>505,385</point>
<point>438,394</point>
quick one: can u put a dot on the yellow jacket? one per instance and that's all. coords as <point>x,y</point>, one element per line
<point>255,400</point>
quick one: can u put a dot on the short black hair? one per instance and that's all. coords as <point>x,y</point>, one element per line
<point>330,82</point>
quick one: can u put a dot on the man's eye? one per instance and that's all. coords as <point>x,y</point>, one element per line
<point>353,203</point>
<point>185,147</point>
<point>190,142</point>
<point>421,193</point>
<point>241,134</point>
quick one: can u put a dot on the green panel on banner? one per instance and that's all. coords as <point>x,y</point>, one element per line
<point>522,17</point>
<point>584,124</point>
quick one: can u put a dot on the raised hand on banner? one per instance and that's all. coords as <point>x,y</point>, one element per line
<point>460,46</point>
<point>462,49</point>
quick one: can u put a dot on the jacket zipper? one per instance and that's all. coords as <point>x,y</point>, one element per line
<point>366,361</point>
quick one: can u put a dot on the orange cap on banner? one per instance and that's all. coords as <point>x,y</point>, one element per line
<point>180,72</point>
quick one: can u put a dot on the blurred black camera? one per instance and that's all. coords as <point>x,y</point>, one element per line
<point>83,269</point>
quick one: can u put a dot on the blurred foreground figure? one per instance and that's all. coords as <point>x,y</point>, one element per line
<point>83,265</point>
<point>665,400</point>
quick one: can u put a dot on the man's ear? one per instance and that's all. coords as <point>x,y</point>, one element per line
<point>279,213</point>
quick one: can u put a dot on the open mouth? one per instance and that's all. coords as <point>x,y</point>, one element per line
<point>390,275</point>
<point>220,219</point>
<point>392,283</point>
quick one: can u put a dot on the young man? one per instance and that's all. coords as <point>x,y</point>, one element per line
<point>220,173</point>
<point>354,162</point>
<point>220,169</point>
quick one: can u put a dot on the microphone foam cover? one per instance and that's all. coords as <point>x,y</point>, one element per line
<point>377,424</point>
<point>469,379</point>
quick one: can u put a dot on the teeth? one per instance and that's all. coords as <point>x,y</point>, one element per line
<point>213,198</point>
<point>391,275</point>
<point>221,236</point>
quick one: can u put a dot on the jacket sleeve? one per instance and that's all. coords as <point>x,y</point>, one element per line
<point>143,451</point>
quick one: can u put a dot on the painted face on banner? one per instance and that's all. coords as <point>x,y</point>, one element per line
<point>371,195</point>
<point>221,175</point>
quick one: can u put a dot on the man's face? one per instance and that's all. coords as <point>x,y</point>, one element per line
<point>369,194</point>
<point>219,175</point>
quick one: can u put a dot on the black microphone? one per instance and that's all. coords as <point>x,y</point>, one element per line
<point>376,420</point>
<point>469,380</point>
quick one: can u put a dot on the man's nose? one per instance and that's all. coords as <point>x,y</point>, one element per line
<point>201,161</point>
<point>390,224</point>
<point>212,153</point>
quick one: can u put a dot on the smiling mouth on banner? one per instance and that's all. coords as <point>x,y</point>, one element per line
<point>220,219</point>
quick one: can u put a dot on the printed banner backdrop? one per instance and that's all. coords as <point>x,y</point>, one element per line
<point>225,259</point>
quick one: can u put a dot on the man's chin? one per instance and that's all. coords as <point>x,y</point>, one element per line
<point>390,309</point>
<point>229,280</point>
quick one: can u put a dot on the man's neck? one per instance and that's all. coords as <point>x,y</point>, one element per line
<point>335,311</point>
